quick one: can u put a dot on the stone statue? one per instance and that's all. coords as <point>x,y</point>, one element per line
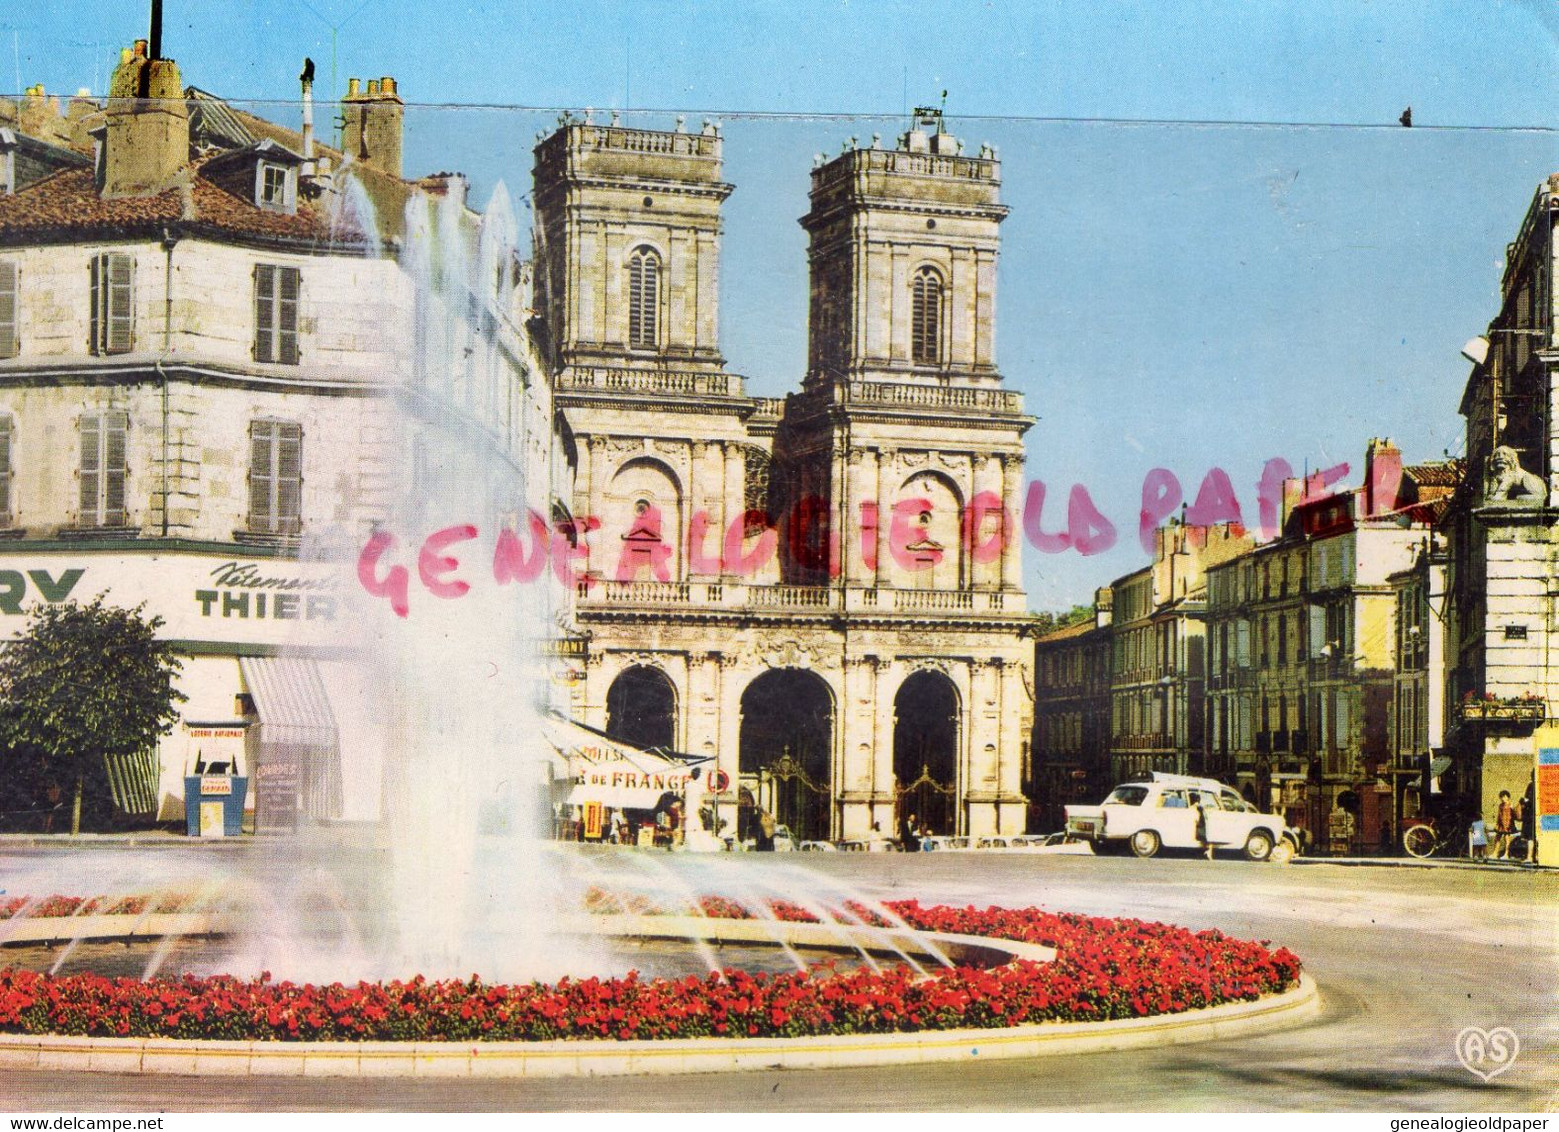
<point>1508,483</point>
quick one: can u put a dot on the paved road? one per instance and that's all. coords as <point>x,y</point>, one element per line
<point>1405,958</point>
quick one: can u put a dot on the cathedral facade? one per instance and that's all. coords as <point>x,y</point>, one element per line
<point>823,592</point>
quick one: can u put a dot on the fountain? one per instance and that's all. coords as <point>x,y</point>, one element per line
<point>454,876</point>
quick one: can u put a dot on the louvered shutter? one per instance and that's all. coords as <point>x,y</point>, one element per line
<point>95,341</point>
<point>643,298</point>
<point>91,469</point>
<point>6,426</point>
<point>289,479</point>
<point>287,315</point>
<point>121,303</point>
<point>116,425</point>
<point>264,312</point>
<point>262,479</point>
<point>10,314</point>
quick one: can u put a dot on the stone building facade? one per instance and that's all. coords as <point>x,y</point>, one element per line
<point>1070,759</point>
<point>212,389</point>
<point>1158,665</point>
<point>1302,678</point>
<point>821,592</point>
<point>1503,531</point>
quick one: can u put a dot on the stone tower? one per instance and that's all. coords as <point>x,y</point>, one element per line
<point>902,428</point>
<point>627,301</point>
<point>628,246</point>
<point>903,262</point>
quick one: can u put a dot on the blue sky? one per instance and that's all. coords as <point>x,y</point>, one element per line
<point>1222,247</point>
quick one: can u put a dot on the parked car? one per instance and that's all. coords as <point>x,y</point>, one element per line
<point>1061,842</point>
<point>942,844</point>
<point>819,847</point>
<point>1179,811</point>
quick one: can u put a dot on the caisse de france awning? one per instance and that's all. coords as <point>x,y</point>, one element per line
<point>604,770</point>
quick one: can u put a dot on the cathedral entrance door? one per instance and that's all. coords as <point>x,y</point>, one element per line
<point>787,735</point>
<point>925,752</point>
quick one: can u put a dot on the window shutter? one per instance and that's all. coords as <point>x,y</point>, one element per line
<point>262,477</point>
<point>10,315</point>
<point>289,479</point>
<point>91,469</point>
<point>264,312</point>
<point>6,427</point>
<point>287,315</point>
<point>115,427</point>
<point>643,298</point>
<point>95,334</point>
<point>121,303</point>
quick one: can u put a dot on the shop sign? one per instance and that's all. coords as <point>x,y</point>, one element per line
<point>198,596</point>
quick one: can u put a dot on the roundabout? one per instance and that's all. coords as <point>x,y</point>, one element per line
<point>938,984</point>
<point>1403,959</point>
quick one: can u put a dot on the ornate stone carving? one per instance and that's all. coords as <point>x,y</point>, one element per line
<point>1509,483</point>
<point>617,449</point>
<point>914,459</point>
<point>660,660</point>
<point>927,664</point>
<point>791,654</point>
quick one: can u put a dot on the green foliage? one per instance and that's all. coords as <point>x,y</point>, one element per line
<point>82,683</point>
<point>1050,621</point>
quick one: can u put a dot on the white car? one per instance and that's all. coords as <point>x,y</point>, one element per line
<point>1179,812</point>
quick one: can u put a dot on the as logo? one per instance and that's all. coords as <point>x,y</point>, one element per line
<point>13,586</point>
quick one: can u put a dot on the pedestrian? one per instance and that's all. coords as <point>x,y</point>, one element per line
<point>907,835</point>
<point>1527,819</point>
<point>1504,828</point>
<point>765,832</point>
<point>1478,840</point>
<point>1204,802</point>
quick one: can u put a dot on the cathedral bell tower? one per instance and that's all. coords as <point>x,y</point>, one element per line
<point>902,430</point>
<point>903,261</point>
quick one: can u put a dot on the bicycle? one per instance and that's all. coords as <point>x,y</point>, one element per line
<point>1424,839</point>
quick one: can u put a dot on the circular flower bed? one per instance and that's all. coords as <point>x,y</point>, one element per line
<point>1104,969</point>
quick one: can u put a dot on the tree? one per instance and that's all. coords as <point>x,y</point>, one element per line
<point>1049,622</point>
<point>82,684</point>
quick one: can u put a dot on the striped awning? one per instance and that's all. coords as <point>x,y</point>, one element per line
<point>299,742</point>
<point>290,697</point>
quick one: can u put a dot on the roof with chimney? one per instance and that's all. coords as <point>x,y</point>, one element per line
<point>63,203</point>
<point>67,208</point>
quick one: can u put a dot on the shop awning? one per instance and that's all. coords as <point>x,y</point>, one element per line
<point>299,764</point>
<point>604,770</point>
<point>290,699</point>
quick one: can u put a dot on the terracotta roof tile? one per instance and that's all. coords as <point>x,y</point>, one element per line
<point>68,204</point>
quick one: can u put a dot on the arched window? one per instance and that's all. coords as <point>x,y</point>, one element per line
<point>925,319</point>
<point>643,298</point>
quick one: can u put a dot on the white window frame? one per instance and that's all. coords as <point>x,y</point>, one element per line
<point>104,468</point>
<point>276,313</point>
<point>288,201</point>
<point>275,493</point>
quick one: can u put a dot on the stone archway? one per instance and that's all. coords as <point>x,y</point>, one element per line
<point>925,751</point>
<point>641,708</point>
<point>786,750</point>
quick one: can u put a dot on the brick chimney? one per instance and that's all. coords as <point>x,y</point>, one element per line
<point>146,146</point>
<point>1382,478</point>
<point>371,124</point>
